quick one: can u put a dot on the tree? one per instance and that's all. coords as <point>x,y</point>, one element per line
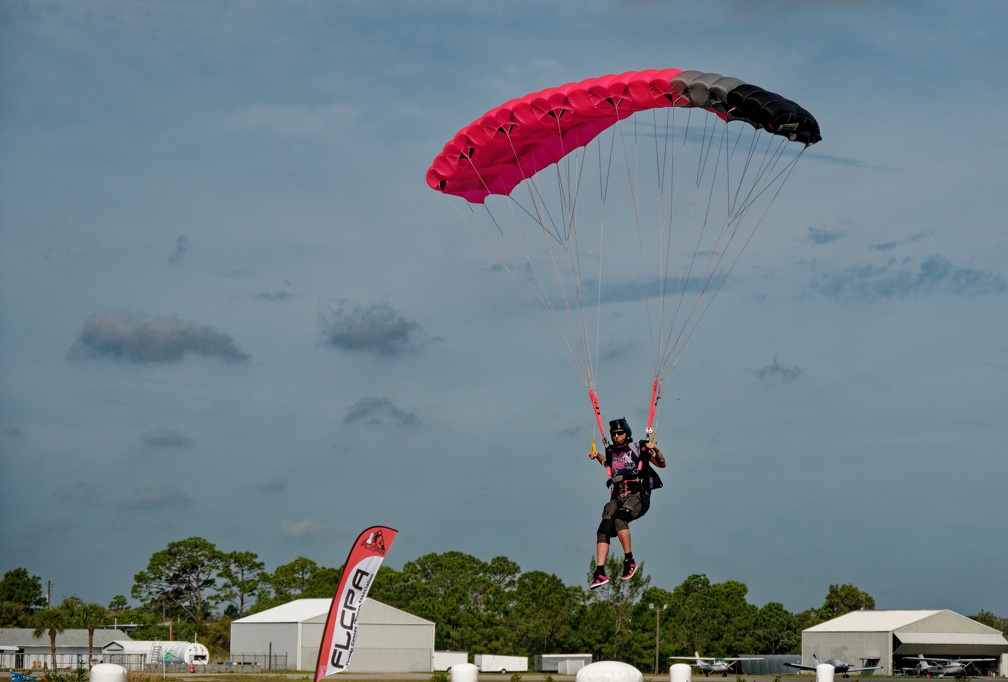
<point>20,595</point>
<point>619,596</point>
<point>290,580</point>
<point>88,616</point>
<point>183,574</point>
<point>776,630</point>
<point>714,619</point>
<point>118,604</point>
<point>51,621</point>
<point>242,575</point>
<point>843,599</point>
<point>542,613</point>
<point>466,597</point>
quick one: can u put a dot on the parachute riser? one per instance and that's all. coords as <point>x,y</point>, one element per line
<point>656,389</point>
<point>655,397</point>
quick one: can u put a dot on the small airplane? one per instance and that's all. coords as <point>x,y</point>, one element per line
<point>841,668</point>
<point>940,667</point>
<point>713,665</point>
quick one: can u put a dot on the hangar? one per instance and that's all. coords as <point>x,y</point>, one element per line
<point>20,648</point>
<point>891,638</point>
<point>388,640</point>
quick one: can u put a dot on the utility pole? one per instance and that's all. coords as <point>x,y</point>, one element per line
<point>657,624</point>
<point>48,597</point>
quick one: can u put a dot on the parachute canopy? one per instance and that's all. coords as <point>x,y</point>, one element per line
<point>516,140</point>
<point>644,170</point>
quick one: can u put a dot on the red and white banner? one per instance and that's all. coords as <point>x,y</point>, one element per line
<point>341,625</point>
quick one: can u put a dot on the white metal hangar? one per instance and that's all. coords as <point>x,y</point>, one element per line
<point>288,636</point>
<point>895,640</point>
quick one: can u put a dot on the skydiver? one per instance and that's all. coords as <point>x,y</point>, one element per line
<point>631,480</point>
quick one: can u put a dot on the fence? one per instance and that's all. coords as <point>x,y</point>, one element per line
<point>257,662</point>
<point>38,662</point>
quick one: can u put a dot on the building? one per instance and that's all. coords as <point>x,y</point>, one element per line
<point>143,654</point>
<point>20,648</point>
<point>891,638</point>
<point>388,640</point>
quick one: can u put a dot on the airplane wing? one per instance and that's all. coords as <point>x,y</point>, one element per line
<point>743,658</point>
<point>800,666</point>
<point>859,670</point>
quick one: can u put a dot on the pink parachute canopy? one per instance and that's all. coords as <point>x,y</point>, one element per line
<point>511,143</point>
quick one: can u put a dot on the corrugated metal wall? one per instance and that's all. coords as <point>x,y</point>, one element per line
<point>261,638</point>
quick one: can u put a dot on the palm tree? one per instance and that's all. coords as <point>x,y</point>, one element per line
<point>91,616</point>
<point>52,621</point>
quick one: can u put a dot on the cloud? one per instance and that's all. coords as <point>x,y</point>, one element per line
<point>821,237</point>
<point>273,485</point>
<point>889,246</point>
<point>897,279</point>
<point>379,412</point>
<point>181,246</point>
<point>156,498</point>
<point>299,121</point>
<point>302,529</point>
<point>776,369</point>
<point>167,438</point>
<point>377,329</point>
<point>13,431</point>
<point>79,493</point>
<point>274,296</point>
<point>134,337</point>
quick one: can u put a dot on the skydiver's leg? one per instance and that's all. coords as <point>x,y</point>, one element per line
<point>606,530</point>
<point>624,540</point>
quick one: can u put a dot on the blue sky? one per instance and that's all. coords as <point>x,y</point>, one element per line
<point>231,307</point>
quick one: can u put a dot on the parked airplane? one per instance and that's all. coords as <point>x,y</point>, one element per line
<point>841,668</point>
<point>940,667</point>
<point>713,665</point>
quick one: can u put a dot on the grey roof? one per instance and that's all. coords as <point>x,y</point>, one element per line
<point>71,637</point>
<point>316,610</point>
<point>908,624</point>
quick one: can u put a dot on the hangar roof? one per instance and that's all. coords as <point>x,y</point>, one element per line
<point>872,621</point>
<point>316,610</point>
<point>296,611</point>
<point>69,638</point>
<point>920,632</point>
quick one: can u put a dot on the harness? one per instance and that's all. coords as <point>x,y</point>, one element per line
<point>627,481</point>
<point>636,478</point>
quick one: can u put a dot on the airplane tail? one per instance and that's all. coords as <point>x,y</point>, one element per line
<point>698,661</point>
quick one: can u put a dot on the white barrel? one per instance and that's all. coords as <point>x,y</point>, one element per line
<point>681,672</point>
<point>609,671</point>
<point>464,672</point>
<point>824,672</point>
<point>108,672</point>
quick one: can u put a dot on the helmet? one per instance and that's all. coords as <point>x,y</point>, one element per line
<point>620,425</point>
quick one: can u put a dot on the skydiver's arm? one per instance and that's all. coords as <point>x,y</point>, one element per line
<point>655,455</point>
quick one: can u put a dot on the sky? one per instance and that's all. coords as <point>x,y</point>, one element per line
<point>231,308</point>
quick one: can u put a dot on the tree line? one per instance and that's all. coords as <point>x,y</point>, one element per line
<point>481,607</point>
